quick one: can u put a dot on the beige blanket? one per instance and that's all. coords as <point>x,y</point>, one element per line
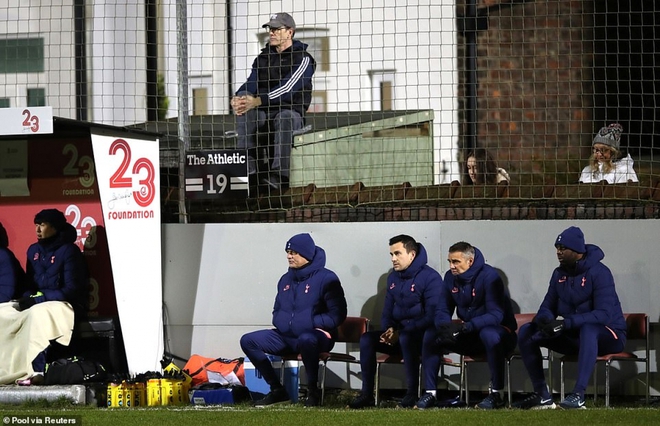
<point>24,334</point>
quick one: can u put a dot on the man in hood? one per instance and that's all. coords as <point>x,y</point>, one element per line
<point>580,314</point>
<point>487,324</point>
<point>413,289</point>
<point>56,271</point>
<point>309,306</point>
<point>274,100</point>
<point>12,275</point>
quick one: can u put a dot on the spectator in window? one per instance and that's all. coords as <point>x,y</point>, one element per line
<point>605,163</point>
<point>480,169</point>
<point>309,306</point>
<point>11,272</point>
<point>275,98</point>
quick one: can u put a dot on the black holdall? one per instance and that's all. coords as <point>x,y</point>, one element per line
<point>73,371</point>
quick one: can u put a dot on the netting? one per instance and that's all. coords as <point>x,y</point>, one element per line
<point>414,106</point>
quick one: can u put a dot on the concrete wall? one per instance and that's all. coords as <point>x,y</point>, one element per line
<point>219,279</point>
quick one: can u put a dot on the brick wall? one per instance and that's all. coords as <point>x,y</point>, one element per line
<point>535,91</point>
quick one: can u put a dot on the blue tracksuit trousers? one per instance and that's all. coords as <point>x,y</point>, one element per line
<point>309,345</point>
<point>409,346</point>
<point>495,342</point>
<point>587,342</point>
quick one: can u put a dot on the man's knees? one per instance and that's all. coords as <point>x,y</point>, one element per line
<point>248,341</point>
<point>287,119</point>
<point>308,340</point>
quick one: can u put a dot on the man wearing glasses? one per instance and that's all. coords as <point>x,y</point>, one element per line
<point>580,314</point>
<point>274,99</point>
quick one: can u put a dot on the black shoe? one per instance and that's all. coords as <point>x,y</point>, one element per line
<point>313,398</point>
<point>364,400</point>
<point>535,402</point>
<point>426,401</point>
<point>408,401</point>
<point>276,182</point>
<point>275,396</point>
<point>573,401</point>
<point>492,402</point>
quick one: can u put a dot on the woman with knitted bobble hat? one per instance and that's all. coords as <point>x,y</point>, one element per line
<point>605,163</point>
<point>309,306</point>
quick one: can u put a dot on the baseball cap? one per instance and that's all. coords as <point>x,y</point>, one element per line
<point>280,19</point>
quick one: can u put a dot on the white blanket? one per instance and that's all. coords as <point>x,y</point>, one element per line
<point>23,335</point>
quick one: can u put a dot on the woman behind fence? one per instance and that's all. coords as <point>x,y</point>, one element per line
<point>605,163</point>
<point>480,169</point>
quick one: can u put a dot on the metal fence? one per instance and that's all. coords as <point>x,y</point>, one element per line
<point>404,94</point>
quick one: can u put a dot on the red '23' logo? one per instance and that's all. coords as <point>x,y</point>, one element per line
<point>147,191</point>
<point>31,121</point>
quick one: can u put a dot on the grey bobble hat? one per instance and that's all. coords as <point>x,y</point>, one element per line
<point>280,19</point>
<point>610,135</point>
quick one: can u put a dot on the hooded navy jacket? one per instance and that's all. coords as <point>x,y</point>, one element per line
<point>11,274</point>
<point>479,297</point>
<point>57,268</point>
<point>412,295</point>
<point>282,80</point>
<point>308,298</point>
<point>585,295</point>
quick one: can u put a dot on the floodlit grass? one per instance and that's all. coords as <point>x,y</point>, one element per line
<point>298,415</point>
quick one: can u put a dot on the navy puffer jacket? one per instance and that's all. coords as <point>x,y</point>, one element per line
<point>308,298</point>
<point>12,275</point>
<point>412,295</point>
<point>57,269</point>
<point>586,295</point>
<point>479,297</point>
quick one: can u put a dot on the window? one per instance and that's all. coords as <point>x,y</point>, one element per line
<point>200,101</point>
<point>318,44</point>
<point>36,97</point>
<point>21,55</point>
<point>319,48</point>
<point>319,101</point>
<point>4,103</point>
<point>382,89</point>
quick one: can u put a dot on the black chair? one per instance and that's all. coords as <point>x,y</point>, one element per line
<point>111,352</point>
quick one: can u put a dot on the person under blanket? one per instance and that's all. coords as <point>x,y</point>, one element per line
<point>55,271</point>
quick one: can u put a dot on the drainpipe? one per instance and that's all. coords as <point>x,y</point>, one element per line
<point>80,60</point>
<point>151,11</point>
<point>230,50</point>
<point>471,83</point>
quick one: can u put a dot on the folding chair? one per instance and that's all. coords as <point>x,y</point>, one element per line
<point>349,331</point>
<point>522,319</point>
<point>638,329</point>
<point>398,359</point>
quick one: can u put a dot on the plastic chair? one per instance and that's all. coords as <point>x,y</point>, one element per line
<point>349,331</point>
<point>398,359</point>
<point>638,329</point>
<point>522,319</point>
